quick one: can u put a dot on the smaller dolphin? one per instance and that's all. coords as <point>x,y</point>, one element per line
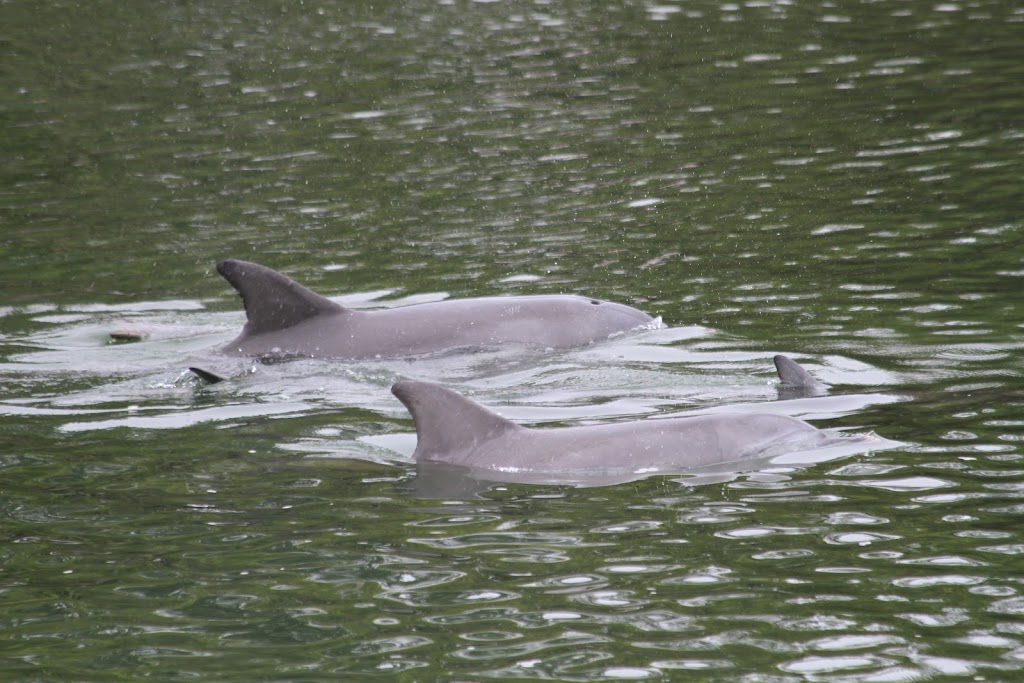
<point>283,317</point>
<point>453,430</point>
<point>795,381</point>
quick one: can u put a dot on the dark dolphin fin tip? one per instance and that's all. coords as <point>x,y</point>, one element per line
<point>792,375</point>
<point>446,420</point>
<point>207,375</point>
<point>272,300</point>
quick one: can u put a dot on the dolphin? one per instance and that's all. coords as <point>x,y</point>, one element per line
<point>455,431</point>
<point>795,381</point>
<point>283,317</point>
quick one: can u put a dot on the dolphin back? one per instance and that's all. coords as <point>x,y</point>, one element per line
<point>448,424</point>
<point>273,301</point>
<point>794,377</point>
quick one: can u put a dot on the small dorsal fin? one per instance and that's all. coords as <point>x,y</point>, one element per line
<point>447,421</point>
<point>208,376</point>
<point>273,301</point>
<point>792,375</point>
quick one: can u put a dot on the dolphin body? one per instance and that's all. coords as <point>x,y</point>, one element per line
<point>454,431</point>
<point>795,382</point>
<point>286,318</point>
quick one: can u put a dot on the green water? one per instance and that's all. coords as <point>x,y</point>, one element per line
<point>840,181</point>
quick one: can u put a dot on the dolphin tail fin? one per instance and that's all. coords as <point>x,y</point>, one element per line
<point>272,301</point>
<point>447,421</point>
<point>793,376</point>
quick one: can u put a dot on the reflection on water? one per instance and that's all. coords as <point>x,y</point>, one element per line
<point>837,181</point>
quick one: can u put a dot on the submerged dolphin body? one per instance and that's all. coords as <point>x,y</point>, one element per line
<point>453,430</point>
<point>284,317</point>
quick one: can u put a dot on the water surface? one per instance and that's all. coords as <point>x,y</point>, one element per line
<point>839,181</point>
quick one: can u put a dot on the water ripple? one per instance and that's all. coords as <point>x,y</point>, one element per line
<point>839,180</point>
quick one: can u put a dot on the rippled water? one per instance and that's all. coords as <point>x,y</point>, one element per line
<point>838,181</point>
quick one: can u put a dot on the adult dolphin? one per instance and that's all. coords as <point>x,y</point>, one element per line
<point>455,431</point>
<point>284,317</point>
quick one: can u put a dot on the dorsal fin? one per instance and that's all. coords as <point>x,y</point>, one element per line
<point>791,374</point>
<point>447,421</point>
<point>273,301</point>
<point>208,376</point>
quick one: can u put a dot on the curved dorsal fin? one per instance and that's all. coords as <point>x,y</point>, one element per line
<point>792,375</point>
<point>447,421</point>
<point>273,301</point>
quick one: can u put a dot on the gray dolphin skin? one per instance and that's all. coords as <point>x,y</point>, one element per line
<point>795,380</point>
<point>457,431</point>
<point>286,318</point>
